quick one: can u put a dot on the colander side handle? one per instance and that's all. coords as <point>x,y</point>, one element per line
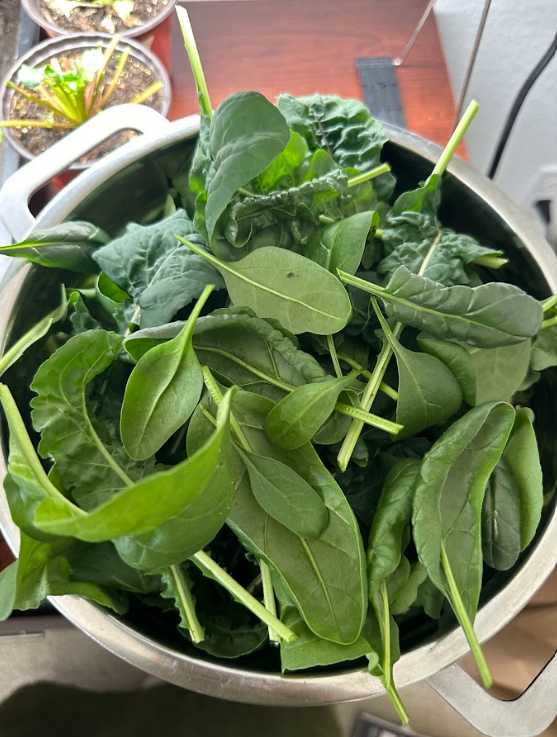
<point>17,191</point>
<point>526,716</point>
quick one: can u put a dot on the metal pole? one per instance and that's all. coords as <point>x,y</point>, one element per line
<point>472,62</point>
<point>399,61</point>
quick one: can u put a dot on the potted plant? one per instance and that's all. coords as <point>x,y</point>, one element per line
<point>146,21</point>
<point>63,82</point>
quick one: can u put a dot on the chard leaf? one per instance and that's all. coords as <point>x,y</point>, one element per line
<point>89,471</point>
<point>279,284</point>
<point>484,374</point>
<point>297,418</point>
<point>408,238</point>
<point>487,316</point>
<point>296,208</point>
<point>159,273</point>
<point>162,391</point>
<point>325,578</point>
<point>285,495</point>
<point>68,246</point>
<point>247,133</point>
<point>343,128</point>
<point>341,245</point>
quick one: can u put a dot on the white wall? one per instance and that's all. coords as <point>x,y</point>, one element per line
<point>516,36</point>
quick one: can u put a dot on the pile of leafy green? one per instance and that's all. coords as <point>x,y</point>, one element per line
<point>281,416</point>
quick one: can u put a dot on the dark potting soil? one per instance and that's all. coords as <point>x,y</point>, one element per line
<point>101,18</point>
<point>135,78</point>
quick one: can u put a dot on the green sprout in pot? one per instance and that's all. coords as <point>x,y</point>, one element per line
<point>73,91</point>
<point>122,8</point>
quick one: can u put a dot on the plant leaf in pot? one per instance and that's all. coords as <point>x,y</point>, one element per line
<point>61,83</point>
<point>147,21</point>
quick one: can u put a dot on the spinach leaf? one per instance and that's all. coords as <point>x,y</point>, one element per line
<point>448,504</point>
<point>325,578</point>
<point>297,418</point>
<point>387,540</point>
<point>343,128</point>
<point>80,317</point>
<point>162,391</point>
<point>544,349</point>
<point>403,585</point>
<point>428,393</point>
<point>501,518</point>
<point>243,349</point>
<point>101,564</point>
<point>484,374</point>
<point>524,460</point>
<point>231,630</point>
<point>487,316</point>
<point>38,331</point>
<point>26,485</point>
<point>196,179</point>
<point>42,570</point>
<point>341,245</point>
<point>408,238</point>
<point>247,133</point>
<point>177,587</point>
<point>426,198</point>
<point>309,651</point>
<point>285,495</point>
<point>159,273</point>
<point>284,170</point>
<point>391,522</point>
<point>68,246</point>
<point>183,507</point>
<point>285,286</point>
<point>88,468</point>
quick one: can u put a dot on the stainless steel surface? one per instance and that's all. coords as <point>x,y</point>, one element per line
<point>399,61</point>
<point>32,8</point>
<point>42,52</point>
<point>15,196</point>
<point>477,198</point>
<point>526,716</point>
<point>472,62</point>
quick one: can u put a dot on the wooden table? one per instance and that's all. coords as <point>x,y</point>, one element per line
<point>307,46</point>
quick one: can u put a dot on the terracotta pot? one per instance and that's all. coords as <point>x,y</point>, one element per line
<point>41,53</point>
<point>155,35</point>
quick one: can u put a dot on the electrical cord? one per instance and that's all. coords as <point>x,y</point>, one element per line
<point>511,119</point>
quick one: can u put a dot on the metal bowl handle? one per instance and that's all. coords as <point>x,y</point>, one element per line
<point>15,195</point>
<point>526,716</point>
